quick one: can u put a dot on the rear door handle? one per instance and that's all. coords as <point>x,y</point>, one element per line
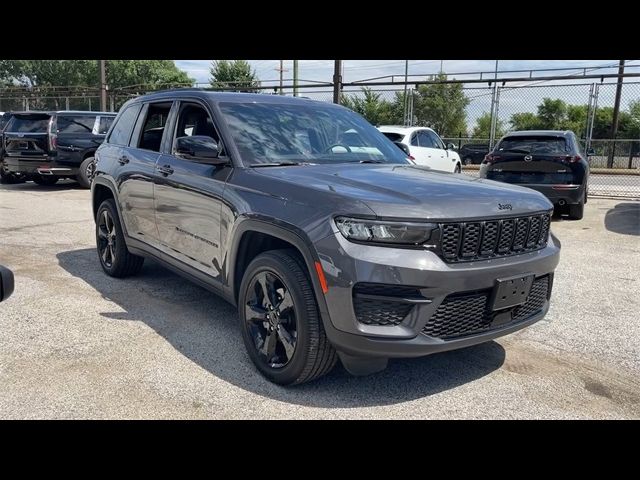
<point>165,170</point>
<point>123,160</point>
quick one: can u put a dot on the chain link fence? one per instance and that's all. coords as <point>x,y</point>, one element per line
<point>467,115</point>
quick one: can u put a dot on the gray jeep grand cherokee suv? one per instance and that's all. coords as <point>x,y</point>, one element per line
<point>329,241</point>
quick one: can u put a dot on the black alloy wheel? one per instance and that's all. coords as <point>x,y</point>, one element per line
<point>271,319</point>
<point>107,239</point>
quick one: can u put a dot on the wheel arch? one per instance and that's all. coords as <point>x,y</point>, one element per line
<point>253,236</point>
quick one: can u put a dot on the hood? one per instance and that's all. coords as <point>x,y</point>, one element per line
<point>407,191</point>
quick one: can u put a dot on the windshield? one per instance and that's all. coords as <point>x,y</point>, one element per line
<point>29,123</point>
<point>266,133</point>
<point>539,145</point>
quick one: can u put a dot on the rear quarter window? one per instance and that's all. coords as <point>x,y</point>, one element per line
<point>394,137</point>
<point>121,131</point>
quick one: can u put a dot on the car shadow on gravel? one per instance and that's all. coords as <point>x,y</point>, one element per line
<point>204,328</point>
<point>31,186</point>
<point>624,218</point>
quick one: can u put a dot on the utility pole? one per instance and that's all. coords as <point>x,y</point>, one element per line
<point>441,66</point>
<point>337,80</point>
<point>281,70</point>
<point>295,78</point>
<point>616,111</point>
<point>103,86</point>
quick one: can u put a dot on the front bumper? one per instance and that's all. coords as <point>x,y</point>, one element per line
<point>42,165</point>
<point>345,264</point>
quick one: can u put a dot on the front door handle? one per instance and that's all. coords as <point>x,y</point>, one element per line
<point>123,160</point>
<point>165,170</point>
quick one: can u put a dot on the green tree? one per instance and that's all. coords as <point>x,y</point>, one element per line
<point>524,121</point>
<point>634,113</point>
<point>235,74</point>
<point>147,73</point>
<point>370,106</point>
<point>576,119</point>
<point>482,130</point>
<point>441,106</point>
<point>120,73</point>
<point>551,114</point>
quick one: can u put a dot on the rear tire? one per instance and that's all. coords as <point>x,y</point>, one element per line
<point>468,160</point>
<point>576,212</point>
<point>45,180</point>
<point>288,345</point>
<point>458,169</point>
<point>85,175</point>
<point>6,177</point>
<point>115,258</point>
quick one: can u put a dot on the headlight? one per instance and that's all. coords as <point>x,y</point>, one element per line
<point>401,233</point>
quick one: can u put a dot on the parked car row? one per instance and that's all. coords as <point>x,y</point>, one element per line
<point>47,146</point>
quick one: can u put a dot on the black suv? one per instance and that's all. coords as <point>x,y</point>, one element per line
<point>47,146</point>
<point>549,161</point>
<point>473,153</point>
<point>322,232</point>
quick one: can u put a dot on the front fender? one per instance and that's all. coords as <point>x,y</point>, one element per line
<point>284,231</point>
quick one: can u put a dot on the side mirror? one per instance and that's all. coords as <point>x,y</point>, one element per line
<point>6,283</point>
<point>402,147</point>
<point>199,148</point>
<point>591,152</point>
<point>450,146</point>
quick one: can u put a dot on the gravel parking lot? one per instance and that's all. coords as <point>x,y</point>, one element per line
<point>75,343</point>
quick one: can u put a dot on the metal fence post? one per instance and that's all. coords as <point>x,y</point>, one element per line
<point>66,103</point>
<point>596,90</point>
<point>492,115</point>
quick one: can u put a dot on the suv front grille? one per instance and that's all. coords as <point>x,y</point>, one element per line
<point>462,241</point>
<point>385,310</point>
<point>469,313</point>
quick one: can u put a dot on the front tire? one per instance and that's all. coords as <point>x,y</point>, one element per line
<point>45,180</point>
<point>458,168</point>
<point>85,175</point>
<point>115,258</point>
<point>280,323</point>
<point>468,161</point>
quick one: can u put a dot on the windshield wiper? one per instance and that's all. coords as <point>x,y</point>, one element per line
<point>369,161</point>
<point>277,164</point>
<point>515,150</point>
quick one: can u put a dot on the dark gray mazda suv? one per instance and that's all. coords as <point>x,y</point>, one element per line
<point>330,242</point>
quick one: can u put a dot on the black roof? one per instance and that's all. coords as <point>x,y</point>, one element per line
<point>59,112</point>
<point>227,96</point>
<point>539,133</point>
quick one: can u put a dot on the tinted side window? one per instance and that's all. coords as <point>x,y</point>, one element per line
<point>122,129</point>
<point>103,125</point>
<point>75,124</point>
<point>425,139</point>
<point>435,139</point>
<point>153,127</point>
<point>414,140</point>
<point>194,120</point>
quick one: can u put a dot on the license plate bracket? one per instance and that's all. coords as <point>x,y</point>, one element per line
<point>511,291</point>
